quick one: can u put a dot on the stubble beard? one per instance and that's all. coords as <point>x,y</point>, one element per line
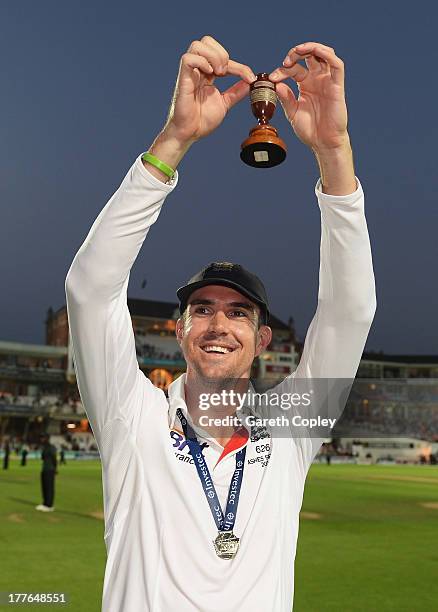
<point>211,380</point>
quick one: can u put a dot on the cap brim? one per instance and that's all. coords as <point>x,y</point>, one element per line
<point>184,293</point>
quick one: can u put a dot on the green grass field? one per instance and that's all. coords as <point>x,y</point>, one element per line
<point>368,538</point>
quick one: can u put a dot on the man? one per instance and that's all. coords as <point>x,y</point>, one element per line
<point>7,452</point>
<point>172,541</point>
<point>48,472</point>
<point>24,453</point>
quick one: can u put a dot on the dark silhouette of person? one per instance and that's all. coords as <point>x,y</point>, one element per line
<point>24,453</point>
<point>62,457</point>
<point>6,455</point>
<point>48,472</point>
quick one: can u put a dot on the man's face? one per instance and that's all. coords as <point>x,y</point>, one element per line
<point>220,336</point>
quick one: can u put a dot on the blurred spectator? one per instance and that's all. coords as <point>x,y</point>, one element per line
<point>24,453</point>
<point>48,456</point>
<point>6,455</point>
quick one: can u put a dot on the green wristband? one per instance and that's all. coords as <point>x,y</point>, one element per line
<point>148,157</point>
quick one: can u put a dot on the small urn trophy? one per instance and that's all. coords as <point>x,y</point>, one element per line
<point>263,148</point>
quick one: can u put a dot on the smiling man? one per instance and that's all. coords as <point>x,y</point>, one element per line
<point>221,331</point>
<point>206,518</point>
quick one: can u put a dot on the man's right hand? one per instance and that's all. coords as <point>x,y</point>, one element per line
<point>198,107</point>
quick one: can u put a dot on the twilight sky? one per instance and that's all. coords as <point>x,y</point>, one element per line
<point>86,87</point>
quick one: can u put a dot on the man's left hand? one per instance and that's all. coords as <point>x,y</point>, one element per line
<point>319,115</point>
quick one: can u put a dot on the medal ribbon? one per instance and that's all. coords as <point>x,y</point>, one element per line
<point>223,523</point>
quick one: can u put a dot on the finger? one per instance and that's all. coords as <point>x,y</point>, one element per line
<point>327,54</point>
<point>222,64</point>
<point>191,60</point>
<point>296,71</point>
<point>235,93</point>
<point>230,66</point>
<point>288,100</point>
<point>223,53</point>
<point>290,62</point>
<point>302,50</point>
<point>211,54</point>
<point>314,65</point>
<point>241,70</point>
<point>325,68</point>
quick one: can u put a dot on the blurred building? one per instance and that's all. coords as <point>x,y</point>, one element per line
<point>392,410</point>
<point>32,385</point>
<point>379,365</point>
<point>158,352</point>
<point>38,391</point>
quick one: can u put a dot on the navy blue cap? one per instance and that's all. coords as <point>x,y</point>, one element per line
<point>231,275</point>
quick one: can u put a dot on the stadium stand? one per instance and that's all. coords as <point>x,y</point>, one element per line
<point>393,396</point>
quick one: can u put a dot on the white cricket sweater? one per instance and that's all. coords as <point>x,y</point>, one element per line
<point>158,526</point>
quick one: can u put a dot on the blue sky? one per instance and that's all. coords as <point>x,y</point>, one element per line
<point>86,87</point>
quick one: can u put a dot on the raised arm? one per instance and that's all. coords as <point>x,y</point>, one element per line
<point>346,299</point>
<point>109,379</point>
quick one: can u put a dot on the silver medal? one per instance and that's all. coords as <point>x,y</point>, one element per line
<point>226,545</point>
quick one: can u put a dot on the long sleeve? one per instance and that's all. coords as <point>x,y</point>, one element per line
<point>109,379</point>
<point>347,297</point>
<point>346,304</point>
